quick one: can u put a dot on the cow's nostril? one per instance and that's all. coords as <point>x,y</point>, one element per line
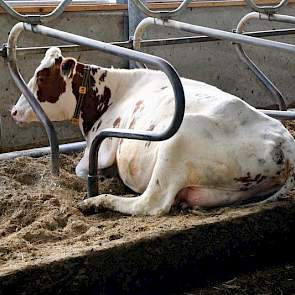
<point>13,113</point>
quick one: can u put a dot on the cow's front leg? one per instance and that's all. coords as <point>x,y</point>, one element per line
<point>83,167</point>
<point>157,199</point>
<point>149,203</point>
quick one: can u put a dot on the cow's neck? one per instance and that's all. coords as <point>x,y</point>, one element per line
<point>106,86</point>
<point>98,97</point>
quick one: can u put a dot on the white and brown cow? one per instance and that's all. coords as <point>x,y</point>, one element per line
<point>225,151</point>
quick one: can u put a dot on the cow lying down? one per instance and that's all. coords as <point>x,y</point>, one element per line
<point>225,151</point>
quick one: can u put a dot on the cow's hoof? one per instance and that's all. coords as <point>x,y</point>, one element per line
<point>87,207</point>
<point>93,205</point>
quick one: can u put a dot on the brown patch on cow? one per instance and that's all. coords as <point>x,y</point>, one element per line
<point>117,122</point>
<point>249,181</point>
<point>50,83</point>
<point>132,167</point>
<point>103,76</point>
<point>138,105</point>
<point>98,125</point>
<point>132,123</point>
<point>151,128</point>
<point>94,104</point>
<point>244,179</point>
<point>286,171</point>
<point>147,144</point>
<point>192,176</point>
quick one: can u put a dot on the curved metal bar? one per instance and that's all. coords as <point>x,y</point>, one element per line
<point>124,133</point>
<point>266,9</point>
<point>35,19</point>
<point>252,66</point>
<point>245,58</point>
<point>21,84</point>
<point>161,13</point>
<point>222,35</point>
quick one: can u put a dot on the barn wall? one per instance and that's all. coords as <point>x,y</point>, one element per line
<point>214,62</point>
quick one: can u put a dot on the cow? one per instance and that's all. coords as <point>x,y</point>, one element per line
<point>225,152</point>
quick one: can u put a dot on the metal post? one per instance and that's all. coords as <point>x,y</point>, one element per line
<point>135,16</point>
<point>21,84</point>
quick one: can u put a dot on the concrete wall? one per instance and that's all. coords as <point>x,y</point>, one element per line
<point>213,62</point>
<point>88,24</point>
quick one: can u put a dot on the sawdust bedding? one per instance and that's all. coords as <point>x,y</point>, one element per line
<point>39,220</point>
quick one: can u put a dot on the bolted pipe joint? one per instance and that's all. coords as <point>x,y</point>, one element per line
<point>3,50</point>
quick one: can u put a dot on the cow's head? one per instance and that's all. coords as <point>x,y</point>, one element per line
<point>51,85</point>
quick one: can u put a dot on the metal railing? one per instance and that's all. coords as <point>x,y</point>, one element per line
<point>161,13</point>
<point>266,9</point>
<point>222,35</point>
<point>118,51</point>
<point>249,62</point>
<point>35,18</point>
<point>10,54</point>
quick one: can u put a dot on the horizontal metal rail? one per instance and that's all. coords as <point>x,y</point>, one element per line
<point>36,18</point>
<point>113,132</point>
<point>147,43</point>
<point>228,36</point>
<point>68,148</point>
<point>248,61</point>
<point>266,9</point>
<point>161,13</point>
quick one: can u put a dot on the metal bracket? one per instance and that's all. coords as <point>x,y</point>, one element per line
<point>163,14</point>
<point>265,9</point>
<point>36,18</point>
<point>3,50</point>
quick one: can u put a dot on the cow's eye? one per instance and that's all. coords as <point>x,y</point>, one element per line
<point>40,79</point>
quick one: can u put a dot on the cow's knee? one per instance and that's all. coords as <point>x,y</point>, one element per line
<point>82,169</point>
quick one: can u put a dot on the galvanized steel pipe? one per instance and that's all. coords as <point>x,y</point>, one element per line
<point>67,148</point>
<point>21,84</point>
<point>266,9</point>
<point>36,18</point>
<point>252,66</point>
<point>245,58</point>
<point>215,33</point>
<point>161,13</point>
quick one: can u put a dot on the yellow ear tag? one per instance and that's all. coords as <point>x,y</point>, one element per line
<point>82,90</point>
<point>75,121</point>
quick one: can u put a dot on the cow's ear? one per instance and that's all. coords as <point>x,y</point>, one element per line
<point>68,66</point>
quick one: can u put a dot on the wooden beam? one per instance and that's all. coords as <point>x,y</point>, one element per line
<point>122,7</point>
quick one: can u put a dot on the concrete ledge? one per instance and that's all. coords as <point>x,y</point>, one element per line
<point>165,262</point>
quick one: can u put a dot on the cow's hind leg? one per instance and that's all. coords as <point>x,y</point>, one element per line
<point>288,172</point>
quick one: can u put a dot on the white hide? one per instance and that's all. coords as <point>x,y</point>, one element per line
<point>225,151</point>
